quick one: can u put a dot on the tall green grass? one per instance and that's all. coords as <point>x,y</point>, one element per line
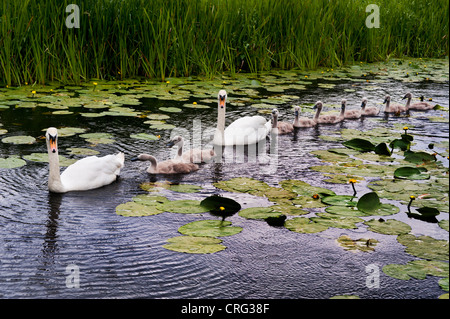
<point>166,38</point>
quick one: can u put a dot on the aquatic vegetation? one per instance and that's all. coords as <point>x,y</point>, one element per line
<point>388,227</point>
<point>418,269</point>
<point>425,246</point>
<point>19,139</point>
<point>184,206</point>
<point>11,162</point>
<point>221,206</point>
<point>304,225</point>
<point>209,228</point>
<point>194,245</point>
<point>361,244</point>
<point>138,209</point>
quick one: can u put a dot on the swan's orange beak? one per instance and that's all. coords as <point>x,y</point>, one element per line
<point>222,102</point>
<point>53,145</point>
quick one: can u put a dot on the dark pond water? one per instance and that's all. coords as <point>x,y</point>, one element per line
<point>41,234</point>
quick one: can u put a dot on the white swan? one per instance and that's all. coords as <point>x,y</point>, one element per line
<point>280,127</point>
<point>419,106</point>
<point>303,121</point>
<point>350,114</point>
<point>166,167</point>
<point>191,156</point>
<point>244,131</point>
<point>368,111</point>
<point>88,173</point>
<point>327,118</point>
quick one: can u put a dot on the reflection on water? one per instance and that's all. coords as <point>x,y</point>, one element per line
<point>41,233</point>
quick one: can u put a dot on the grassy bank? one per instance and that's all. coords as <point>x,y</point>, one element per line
<point>160,38</point>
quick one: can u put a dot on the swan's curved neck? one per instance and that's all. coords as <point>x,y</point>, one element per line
<point>274,121</point>
<point>153,163</point>
<point>408,103</point>
<point>54,177</point>
<point>296,120</point>
<point>363,106</point>
<point>180,149</point>
<point>219,135</point>
<point>317,113</point>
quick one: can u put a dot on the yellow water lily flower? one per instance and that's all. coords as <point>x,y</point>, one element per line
<point>222,208</point>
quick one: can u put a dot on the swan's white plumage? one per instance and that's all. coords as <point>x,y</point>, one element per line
<point>86,174</point>
<point>244,131</point>
<point>92,172</point>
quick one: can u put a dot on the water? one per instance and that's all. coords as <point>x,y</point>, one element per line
<point>41,234</point>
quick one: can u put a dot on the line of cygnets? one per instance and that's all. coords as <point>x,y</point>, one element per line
<point>93,172</point>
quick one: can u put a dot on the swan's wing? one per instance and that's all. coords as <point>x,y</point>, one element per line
<point>246,130</point>
<point>92,172</point>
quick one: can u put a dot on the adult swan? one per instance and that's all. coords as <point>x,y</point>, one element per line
<point>244,131</point>
<point>88,173</point>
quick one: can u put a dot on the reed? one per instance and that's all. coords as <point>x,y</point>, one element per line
<point>160,38</point>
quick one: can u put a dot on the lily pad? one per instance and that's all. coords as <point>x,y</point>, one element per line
<point>368,203</point>
<point>361,244</point>
<point>209,228</point>
<point>418,269</point>
<point>170,109</point>
<point>303,188</point>
<point>337,221</point>
<point>150,200</point>
<point>194,245</point>
<point>134,209</point>
<point>184,206</point>
<point>184,188</point>
<point>144,136</point>
<point>259,213</point>
<point>11,162</point>
<point>340,200</point>
<point>388,227</point>
<point>221,206</point>
<point>410,173</point>
<point>443,283</point>
<point>98,138</point>
<point>19,139</point>
<point>359,145</point>
<point>444,224</point>
<point>304,225</point>
<point>425,247</point>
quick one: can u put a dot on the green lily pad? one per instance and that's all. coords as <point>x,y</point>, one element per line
<point>98,138</point>
<point>368,203</point>
<point>419,157</point>
<point>303,188</point>
<point>359,145</point>
<point>157,116</point>
<point>361,244</point>
<point>418,269</point>
<point>194,245</point>
<point>345,211</point>
<point>308,202</point>
<point>150,200</point>
<point>304,225</point>
<point>443,283</point>
<point>11,162</point>
<point>184,206</point>
<point>19,139</point>
<point>170,109</point>
<point>340,200</point>
<point>444,224</point>
<point>410,173</point>
<point>144,136</point>
<point>259,213</point>
<point>337,221</point>
<point>134,209</point>
<point>69,131</point>
<point>382,149</point>
<point>388,227</point>
<point>209,228</point>
<point>425,247</point>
